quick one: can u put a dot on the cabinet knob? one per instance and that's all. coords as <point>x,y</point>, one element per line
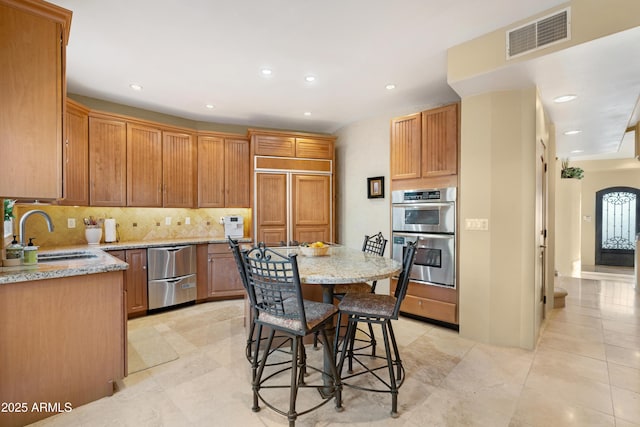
<point>144,267</point>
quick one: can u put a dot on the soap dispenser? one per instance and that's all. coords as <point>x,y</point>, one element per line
<point>30,253</point>
<point>15,253</point>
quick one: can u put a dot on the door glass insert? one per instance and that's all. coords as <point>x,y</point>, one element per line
<point>619,220</point>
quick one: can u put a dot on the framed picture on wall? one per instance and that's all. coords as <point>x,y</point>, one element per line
<point>375,187</point>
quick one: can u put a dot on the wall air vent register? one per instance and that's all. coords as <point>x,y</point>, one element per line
<point>539,34</point>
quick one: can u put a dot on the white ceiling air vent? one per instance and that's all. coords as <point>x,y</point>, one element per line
<point>538,34</point>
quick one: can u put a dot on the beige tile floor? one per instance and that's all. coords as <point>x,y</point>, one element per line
<point>584,372</point>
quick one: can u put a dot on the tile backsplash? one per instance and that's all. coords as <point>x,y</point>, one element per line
<point>133,224</point>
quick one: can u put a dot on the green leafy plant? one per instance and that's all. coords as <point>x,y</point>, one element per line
<point>8,209</point>
<point>570,172</point>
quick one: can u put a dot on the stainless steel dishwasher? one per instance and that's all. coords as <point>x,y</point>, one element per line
<point>171,275</point>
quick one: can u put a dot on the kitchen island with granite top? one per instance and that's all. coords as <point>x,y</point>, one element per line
<point>63,334</point>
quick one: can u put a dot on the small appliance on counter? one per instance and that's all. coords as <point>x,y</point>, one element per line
<point>233,226</point>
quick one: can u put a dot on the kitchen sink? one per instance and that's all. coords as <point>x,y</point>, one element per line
<point>65,256</point>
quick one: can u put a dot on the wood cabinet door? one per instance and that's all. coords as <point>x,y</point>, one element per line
<point>405,147</point>
<point>314,148</point>
<point>237,173</point>
<point>144,166</point>
<point>224,279</point>
<point>271,207</point>
<point>440,141</point>
<point>311,207</point>
<point>179,164</point>
<point>31,106</point>
<point>136,281</point>
<point>75,170</point>
<point>274,145</point>
<point>211,168</point>
<point>107,162</point>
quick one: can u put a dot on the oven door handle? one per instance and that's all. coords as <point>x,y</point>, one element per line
<point>424,205</point>
<point>418,236</point>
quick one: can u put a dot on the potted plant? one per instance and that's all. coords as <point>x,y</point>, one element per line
<point>570,172</point>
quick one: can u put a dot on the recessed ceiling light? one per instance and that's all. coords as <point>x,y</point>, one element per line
<point>266,71</point>
<point>577,151</point>
<point>135,86</point>
<point>390,86</point>
<point>307,113</point>
<point>309,78</point>
<point>564,98</point>
<point>209,106</point>
<point>572,132</point>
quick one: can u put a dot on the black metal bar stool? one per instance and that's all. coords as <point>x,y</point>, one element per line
<point>274,284</point>
<point>376,309</point>
<point>255,334</point>
<point>375,245</point>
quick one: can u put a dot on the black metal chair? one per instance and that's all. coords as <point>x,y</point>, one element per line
<point>376,309</point>
<point>375,245</point>
<point>274,284</point>
<point>255,334</point>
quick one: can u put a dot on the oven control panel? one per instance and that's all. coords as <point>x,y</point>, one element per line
<point>424,196</point>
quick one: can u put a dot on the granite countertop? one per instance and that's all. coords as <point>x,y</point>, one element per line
<point>342,265</point>
<point>77,260</point>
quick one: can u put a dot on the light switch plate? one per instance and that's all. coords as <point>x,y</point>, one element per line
<point>187,220</point>
<point>167,220</point>
<point>476,224</point>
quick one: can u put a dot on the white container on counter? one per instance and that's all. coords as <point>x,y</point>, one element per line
<point>93,235</point>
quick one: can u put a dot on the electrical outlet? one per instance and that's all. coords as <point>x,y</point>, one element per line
<point>71,223</point>
<point>167,220</point>
<point>187,220</point>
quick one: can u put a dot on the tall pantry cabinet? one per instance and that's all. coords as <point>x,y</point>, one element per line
<point>294,197</point>
<point>33,39</point>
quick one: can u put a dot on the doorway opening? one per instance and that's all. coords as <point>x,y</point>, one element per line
<point>616,226</point>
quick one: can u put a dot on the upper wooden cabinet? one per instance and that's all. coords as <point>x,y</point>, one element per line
<point>144,166</point>
<point>440,141</point>
<point>405,147</point>
<point>107,162</point>
<point>179,163</point>
<point>223,172</point>
<point>268,143</point>
<point>75,170</point>
<point>33,38</point>
<point>237,173</point>
<point>425,145</point>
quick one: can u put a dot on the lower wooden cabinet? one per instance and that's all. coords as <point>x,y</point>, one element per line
<point>135,280</point>
<point>430,302</point>
<point>221,273</point>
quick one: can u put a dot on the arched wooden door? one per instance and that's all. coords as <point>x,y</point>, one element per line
<point>616,225</point>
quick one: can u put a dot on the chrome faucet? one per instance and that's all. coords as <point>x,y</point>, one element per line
<point>27,215</point>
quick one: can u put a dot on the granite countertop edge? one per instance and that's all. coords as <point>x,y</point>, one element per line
<point>100,262</point>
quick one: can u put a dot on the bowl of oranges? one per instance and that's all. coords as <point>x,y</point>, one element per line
<point>314,249</point>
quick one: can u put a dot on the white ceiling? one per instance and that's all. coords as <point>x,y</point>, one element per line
<point>187,54</point>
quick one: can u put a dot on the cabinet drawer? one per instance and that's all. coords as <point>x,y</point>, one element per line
<point>429,308</point>
<point>219,248</point>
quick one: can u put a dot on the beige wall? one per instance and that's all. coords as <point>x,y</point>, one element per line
<point>568,222</point>
<point>498,160</point>
<point>362,151</point>
<point>600,174</point>
<point>590,19</point>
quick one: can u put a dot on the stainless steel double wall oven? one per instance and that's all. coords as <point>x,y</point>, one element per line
<point>428,217</point>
